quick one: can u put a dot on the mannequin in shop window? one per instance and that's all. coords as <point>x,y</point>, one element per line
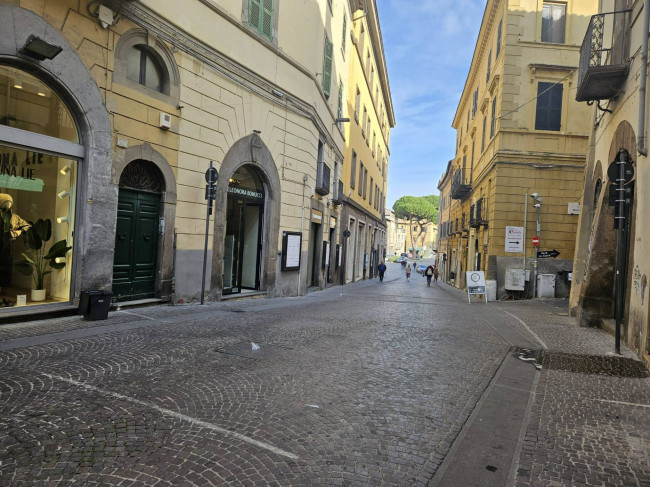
<point>11,227</point>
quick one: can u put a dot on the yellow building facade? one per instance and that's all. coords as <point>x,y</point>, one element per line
<point>367,146</point>
<point>519,134</point>
<point>140,98</point>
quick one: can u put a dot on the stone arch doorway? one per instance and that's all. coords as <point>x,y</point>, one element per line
<point>143,169</point>
<point>248,175</point>
<point>597,293</point>
<point>243,233</point>
<point>136,258</point>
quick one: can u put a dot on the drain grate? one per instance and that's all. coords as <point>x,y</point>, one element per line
<point>614,366</point>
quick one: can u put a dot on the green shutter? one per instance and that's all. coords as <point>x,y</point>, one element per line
<point>345,27</point>
<point>267,19</point>
<point>339,113</point>
<point>254,10</point>
<point>327,68</point>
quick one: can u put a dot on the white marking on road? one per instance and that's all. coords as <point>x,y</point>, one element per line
<point>136,314</point>
<point>541,342</point>
<point>625,403</point>
<point>183,417</point>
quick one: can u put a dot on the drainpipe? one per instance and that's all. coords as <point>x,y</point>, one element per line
<point>641,146</point>
<point>302,222</point>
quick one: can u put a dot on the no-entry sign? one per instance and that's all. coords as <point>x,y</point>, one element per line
<point>535,240</point>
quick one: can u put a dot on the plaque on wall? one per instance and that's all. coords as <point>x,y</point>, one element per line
<point>291,245</point>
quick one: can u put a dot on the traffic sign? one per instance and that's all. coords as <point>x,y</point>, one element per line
<point>545,254</point>
<point>613,171</point>
<point>211,175</point>
<point>535,240</point>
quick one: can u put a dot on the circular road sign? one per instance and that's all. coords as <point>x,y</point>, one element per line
<point>211,175</point>
<point>535,240</point>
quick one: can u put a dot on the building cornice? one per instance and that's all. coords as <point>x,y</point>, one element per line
<point>181,40</point>
<point>489,14</point>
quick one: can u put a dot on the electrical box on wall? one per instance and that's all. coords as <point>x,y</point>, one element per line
<point>165,121</point>
<point>515,279</point>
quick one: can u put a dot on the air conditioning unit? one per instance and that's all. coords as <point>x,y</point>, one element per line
<point>165,121</point>
<point>322,179</point>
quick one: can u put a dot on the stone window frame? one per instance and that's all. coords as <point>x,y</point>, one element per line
<point>170,74</point>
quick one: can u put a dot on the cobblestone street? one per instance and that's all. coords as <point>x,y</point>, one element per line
<point>367,384</point>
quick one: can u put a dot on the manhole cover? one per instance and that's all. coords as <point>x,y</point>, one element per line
<point>595,364</point>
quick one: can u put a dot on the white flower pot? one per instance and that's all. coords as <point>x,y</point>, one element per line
<point>38,295</point>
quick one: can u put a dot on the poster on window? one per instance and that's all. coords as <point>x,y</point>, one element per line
<point>291,244</point>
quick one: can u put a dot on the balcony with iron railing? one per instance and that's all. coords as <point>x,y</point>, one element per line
<point>478,214</point>
<point>461,186</point>
<point>604,56</point>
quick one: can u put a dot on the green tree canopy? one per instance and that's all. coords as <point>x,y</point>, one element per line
<point>417,208</point>
<point>420,209</point>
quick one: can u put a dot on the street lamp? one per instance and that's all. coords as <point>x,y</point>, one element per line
<point>538,205</point>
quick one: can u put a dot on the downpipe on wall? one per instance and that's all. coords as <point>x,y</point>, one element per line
<point>641,145</point>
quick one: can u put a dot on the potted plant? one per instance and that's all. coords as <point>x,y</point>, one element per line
<point>37,261</point>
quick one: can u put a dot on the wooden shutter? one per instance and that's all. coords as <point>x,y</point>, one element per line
<point>345,27</point>
<point>267,19</point>
<point>549,106</point>
<point>327,68</point>
<point>254,10</point>
<point>339,113</point>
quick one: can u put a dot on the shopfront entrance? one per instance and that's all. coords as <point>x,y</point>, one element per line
<point>242,247</point>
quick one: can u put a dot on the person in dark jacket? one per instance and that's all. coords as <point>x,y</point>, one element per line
<point>381,268</point>
<point>429,273</point>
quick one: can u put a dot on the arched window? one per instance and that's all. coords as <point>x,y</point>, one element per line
<point>144,68</point>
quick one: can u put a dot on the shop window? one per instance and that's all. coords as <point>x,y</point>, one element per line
<point>37,193</point>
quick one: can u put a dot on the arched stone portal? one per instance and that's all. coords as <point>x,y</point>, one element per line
<point>248,155</point>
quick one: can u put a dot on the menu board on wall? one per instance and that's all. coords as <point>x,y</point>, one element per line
<point>291,245</point>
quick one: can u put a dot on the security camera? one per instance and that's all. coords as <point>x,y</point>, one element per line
<point>537,205</point>
<point>534,195</point>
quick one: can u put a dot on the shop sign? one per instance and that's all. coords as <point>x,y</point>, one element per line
<point>316,216</point>
<point>246,192</point>
<point>515,239</point>
<point>17,172</point>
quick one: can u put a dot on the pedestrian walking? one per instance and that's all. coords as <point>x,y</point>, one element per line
<point>408,272</point>
<point>381,269</point>
<point>435,274</point>
<point>429,273</point>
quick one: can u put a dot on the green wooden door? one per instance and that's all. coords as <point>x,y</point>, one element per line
<point>136,245</point>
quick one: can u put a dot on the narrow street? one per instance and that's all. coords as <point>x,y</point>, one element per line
<point>391,383</point>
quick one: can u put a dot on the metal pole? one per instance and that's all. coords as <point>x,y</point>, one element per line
<point>207,229</point>
<point>538,228</point>
<point>620,249</point>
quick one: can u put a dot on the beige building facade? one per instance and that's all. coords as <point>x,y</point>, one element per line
<point>115,110</point>
<point>612,265</point>
<point>519,134</point>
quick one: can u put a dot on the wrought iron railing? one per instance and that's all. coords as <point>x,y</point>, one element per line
<point>604,56</point>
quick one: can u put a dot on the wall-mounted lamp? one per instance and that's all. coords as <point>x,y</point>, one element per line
<point>62,219</point>
<point>63,194</point>
<point>39,49</point>
<point>40,91</point>
<point>59,260</point>
<point>339,120</point>
<point>18,84</point>
<point>65,170</point>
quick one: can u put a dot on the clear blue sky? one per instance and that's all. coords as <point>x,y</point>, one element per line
<point>428,46</point>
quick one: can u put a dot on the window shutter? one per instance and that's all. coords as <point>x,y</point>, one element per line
<point>327,68</point>
<point>339,113</point>
<point>254,9</point>
<point>267,19</point>
<point>345,27</point>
